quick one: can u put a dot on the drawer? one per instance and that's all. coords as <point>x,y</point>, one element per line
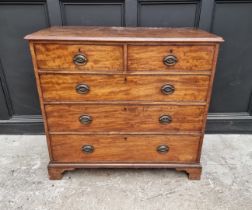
<point>170,57</point>
<point>79,57</point>
<point>124,118</point>
<point>124,148</point>
<point>65,87</point>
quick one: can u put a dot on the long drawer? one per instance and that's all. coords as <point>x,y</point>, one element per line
<point>171,57</point>
<point>124,118</point>
<point>124,148</point>
<point>79,57</point>
<point>80,87</point>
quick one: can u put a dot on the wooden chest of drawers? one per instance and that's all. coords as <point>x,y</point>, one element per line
<point>124,97</point>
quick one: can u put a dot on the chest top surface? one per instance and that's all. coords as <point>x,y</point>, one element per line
<point>122,34</point>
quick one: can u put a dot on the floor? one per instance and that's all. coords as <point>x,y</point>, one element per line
<point>226,181</point>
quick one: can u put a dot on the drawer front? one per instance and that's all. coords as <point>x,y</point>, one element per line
<point>170,57</point>
<point>122,148</point>
<point>58,87</point>
<point>79,57</point>
<point>124,118</point>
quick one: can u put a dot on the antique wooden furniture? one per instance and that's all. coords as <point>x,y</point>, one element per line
<point>124,97</point>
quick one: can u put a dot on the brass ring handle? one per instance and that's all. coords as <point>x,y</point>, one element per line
<point>167,89</point>
<point>162,149</point>
<point>165,119</point>
<point>80,59</point>
<point>170,60</point>
<point>87,149</point>
<point>85,119</point>
<point>82,88</point>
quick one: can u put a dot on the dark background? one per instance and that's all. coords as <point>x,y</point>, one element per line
<point>231,105</point>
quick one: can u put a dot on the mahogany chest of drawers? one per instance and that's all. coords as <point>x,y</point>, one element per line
<point>124,97</point>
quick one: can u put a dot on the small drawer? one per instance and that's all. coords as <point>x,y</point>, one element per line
<point>124,118</point>
<point>68,87</point>
<point>78,57</point>
<point>148,58</point>
<point>124,148</point>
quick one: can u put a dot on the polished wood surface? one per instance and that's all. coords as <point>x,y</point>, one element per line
<point>193,173</point>
<point>124,148</point>
<point>57,173</point>
<point>60,56</point>
<point>124,74</point>
<point>40,98</point>
<point>124,118</point>
<point>62,87</point>
<point>151,57</point>
<point>56,169</point>
<point>123,34</point>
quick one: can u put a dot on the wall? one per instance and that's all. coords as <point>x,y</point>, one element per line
<point>231,105</point>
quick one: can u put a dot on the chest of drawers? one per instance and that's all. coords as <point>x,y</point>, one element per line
<point>124,97</point>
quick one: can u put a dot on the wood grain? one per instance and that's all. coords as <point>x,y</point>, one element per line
<point>60,56</point>
<point>193,173</point>
<point>40,93</point>
<point>208,98</point>
<point>56,173</point>
<point>122,34</point>
<point>124,118</point>
<point>151,57</point>
<point>118,148</point>
<point>61,87</point>
<point>193,169</point>
<point>125,73</point>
